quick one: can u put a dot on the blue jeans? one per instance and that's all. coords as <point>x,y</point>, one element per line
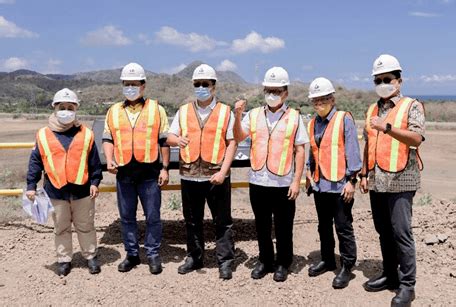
<point>149,193</point>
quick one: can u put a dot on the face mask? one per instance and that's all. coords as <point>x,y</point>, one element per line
<point>131,92</point>
<point>385,90</point>
<point>272,100</point>
<point>65,116</point>
<point>202,93</point>
<point>324,110</point>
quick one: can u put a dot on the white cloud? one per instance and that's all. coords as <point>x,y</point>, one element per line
<point>11,30</point>
<point>424,14</point>
<point>106,36</point>
<point>52,66</point>
<point>192,41</point>
<point>175,69</point>
<point>7,1</point>
<point>255,42</point>
<point>227,65</point>
<point>145,39</point>
<point>438,78</point>
<point>13,63</point>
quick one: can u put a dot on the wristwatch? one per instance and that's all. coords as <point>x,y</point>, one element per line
<point>165,167</point>
<point>388,128</point>
<point>353,180</point>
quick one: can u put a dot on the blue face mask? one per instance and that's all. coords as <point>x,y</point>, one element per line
<point>202,93</point>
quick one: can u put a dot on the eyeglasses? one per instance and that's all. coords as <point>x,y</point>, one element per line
<point>203,84</point>
<point>386,80</point>
<point>274,91</point>
<point>321,100</point>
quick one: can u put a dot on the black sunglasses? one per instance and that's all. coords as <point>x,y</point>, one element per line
<point>386,80</point>
<point>277,91</point>
<point>203,84</point>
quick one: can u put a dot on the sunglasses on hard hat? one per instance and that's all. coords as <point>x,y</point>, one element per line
<point>274,91</point>
<point>386,80</point>
<point>202,83</point>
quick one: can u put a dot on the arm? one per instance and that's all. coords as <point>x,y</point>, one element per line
<point>95,171</point>
<point>108,147</point>
<point>34,172</point>
<point>238,131</point>
<point>219,177</point>
<point>364,170</point>
<point>300,158</point>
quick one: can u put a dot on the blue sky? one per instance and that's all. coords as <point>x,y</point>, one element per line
<point>335,39</point>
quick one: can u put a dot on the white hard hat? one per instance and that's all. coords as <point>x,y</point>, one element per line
<point>276,77</point>
<point>65,95</point>
<point>133,72</point>
<point>320,87</point>
<point>385,63</point>
<point>204,72</point>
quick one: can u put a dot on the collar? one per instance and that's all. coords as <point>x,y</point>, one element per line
<point>282,109</point>
<point>126,103</point>
<point>394,100</point>
<point>329,116</point>
<point>211,105</point>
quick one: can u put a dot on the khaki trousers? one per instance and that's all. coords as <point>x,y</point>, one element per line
<point>81,213</point>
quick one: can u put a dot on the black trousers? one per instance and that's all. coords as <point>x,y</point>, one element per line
<point>392,214</point>
<point>332,208</point>
<point>218,197</point>
<point>268,202</point>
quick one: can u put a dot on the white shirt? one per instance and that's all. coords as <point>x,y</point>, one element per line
<point>203,113</point>
<point>264,177</point>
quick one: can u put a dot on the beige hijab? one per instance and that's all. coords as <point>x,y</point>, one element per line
<point>57,126</point>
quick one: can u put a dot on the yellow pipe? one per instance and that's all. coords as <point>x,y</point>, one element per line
<point>16,145</point>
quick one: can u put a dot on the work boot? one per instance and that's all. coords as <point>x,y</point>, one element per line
<point>155,266</point>
<point>189,265</point>
<point>260,270</point>
<point>94,267</point>
<point>129,263</point>
<point>342,279</point>
<point>225,271</point>
<point>280,274</point>
<point>320,268</point>
<point>381,283</point>
<point>403,298</point>
<point>64,268</point>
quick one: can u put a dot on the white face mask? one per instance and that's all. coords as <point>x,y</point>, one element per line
<point>272,100</point>
<point>131,92</point>
<point>65,117</point>
<point>385,90</point>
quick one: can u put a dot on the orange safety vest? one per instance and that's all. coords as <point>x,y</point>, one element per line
<point>140,141</point>
<point>274,148</point>
<point>329,156</point>
<point>61,166</point>
<point>388,153</point>
<point>206,140</point>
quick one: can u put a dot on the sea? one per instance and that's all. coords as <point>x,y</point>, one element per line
<point>434,98</point>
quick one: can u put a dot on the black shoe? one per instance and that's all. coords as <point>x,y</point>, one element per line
<point>225,272</point>
<point>380,283</point>
<point>403,298</point>
<point>94,267</point>
<point>260,270</point>
<point>189,265</point>
<point>155,266</point>
<point>343,278</point>
<point>64,268</point>
<point>320,268</point>
<point>280,274</point>
<point>129,263</point>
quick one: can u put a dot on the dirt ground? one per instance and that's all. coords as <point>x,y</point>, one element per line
<point>27,258</point>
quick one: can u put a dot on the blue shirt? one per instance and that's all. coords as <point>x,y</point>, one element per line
<point>69,191</point>
<point>352,153</point>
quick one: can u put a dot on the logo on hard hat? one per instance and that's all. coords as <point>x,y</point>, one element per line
<point>379,63</point>
<point>201,70</point>
<point>317,87</point>
<point>273,75</point>
<point>67,94</point>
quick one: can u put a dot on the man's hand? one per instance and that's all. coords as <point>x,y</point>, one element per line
<point>377,124</point>
<point>94,191</point>
<point>294,190</point>
<point>218,178</point>
<point>348,192</point>
<point>112,167</point>
<point>183,141</point>
<point>163,178</point>
<point>30,195</point>
<point>363,185</point>
<point>239,108</point>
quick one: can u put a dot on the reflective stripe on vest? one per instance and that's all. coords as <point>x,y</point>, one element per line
<point>140,141</point>
<point>63,166</point>
<point>207,142</point>
<point>276,148</point>
<point>388,153</point>
<point>329,155</point>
